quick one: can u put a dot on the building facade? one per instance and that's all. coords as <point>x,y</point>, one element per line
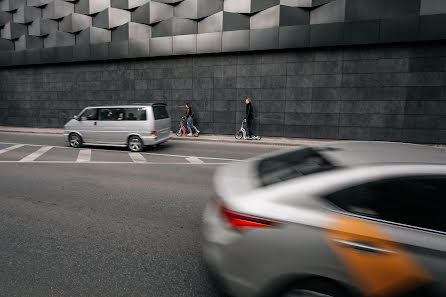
<point>337,69</point>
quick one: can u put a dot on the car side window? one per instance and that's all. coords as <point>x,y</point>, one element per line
<point>135,114</point>
<point>90,114</point>
<point>111,114</point>
<point>417,202</point>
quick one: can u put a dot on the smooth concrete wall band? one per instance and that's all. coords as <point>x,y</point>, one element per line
<point>373,92</point>
<point>54,31</point>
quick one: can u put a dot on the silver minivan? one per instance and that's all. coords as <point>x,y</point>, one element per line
<point>132,125</point>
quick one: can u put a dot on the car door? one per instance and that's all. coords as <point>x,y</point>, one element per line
<point>111,126</point>
<point>87,125</point>
<point>392,239</point>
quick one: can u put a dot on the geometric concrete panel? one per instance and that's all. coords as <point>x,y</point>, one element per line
<point>197,9</point>
<point>167,1</point>
<point>37,3</point>
<point>40,27</point>
<point>152,12</point>
<point>294,36</point>
<point>131,31</point>
<point>118,50</point>
<point>75,22</point>
<point>5,17</point>
<point>10,5</point>
<point>175,26</point>
<point>111,18</point>
<point>432,27</point>
<point>161,46</point>
<point>6,45</point>
<point>235,41</point>
<point>128,4</point>
<point>90,7</point>
<point>26,14</point>
<point>399,29</point>
<point>304,3</point>
<point>379,9</point>
<point>93,35</point>
<point>56,39</point>
<point>332,12</point>
<point>280,16</point>
<point>185,44</point>
<point>209,42</point>
<point>139,48</point>
<point>248,6</point>
<point>224,21</point>
<point>261,39</point>
<point>12,31</point>
<point>361,32</point>
<point>27,42</point>
<point>432,7</point>
<point>327,34</point>
<point>57,9</point>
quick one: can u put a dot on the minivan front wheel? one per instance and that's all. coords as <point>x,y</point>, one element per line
<point>75,140</point>
<point>135,144</point>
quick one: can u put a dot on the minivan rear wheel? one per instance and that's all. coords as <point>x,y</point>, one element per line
<point>75,140</point>
<point>135,144</point>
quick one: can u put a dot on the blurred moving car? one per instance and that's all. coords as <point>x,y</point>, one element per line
<point>339,219</point>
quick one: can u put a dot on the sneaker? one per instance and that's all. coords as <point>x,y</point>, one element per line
<point>190,134</point>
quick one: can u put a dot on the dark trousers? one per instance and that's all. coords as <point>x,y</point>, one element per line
<point>249,127</point>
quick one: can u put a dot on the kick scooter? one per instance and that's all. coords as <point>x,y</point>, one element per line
<point>242,134</point>
<point>181,131</point>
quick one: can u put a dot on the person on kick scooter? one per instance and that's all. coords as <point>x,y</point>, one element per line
<point>249,117</point>
<point>190,121</point>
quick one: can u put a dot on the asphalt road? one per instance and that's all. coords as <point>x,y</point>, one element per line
<point>107,225</point>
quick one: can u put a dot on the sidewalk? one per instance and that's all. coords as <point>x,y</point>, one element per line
<point>282,141</point>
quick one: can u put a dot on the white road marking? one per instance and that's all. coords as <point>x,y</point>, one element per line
<point>143,153</point>
<point>194,160</point>
<point>106,162</point>
<point>137,157</point>
<point>84,156</point>
<point>32,157</point>
<point>10,148</point>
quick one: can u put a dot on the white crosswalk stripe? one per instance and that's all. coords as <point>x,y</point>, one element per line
<point>10,148</point>
<point>137,157</point>
<point>36,154</point>
<point>84,156</point>
<point>194,160</point>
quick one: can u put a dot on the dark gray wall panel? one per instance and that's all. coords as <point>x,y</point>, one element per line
<point>432,27</point>
<point>262,39</point>
<point>294,36</point>
<point>399,29</point>
<point>361,32</point>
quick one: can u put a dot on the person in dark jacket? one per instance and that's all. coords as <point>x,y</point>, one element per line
<point>249,117</point>
<point>190,120</point>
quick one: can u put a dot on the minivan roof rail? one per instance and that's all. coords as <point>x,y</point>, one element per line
<point>147,103</point>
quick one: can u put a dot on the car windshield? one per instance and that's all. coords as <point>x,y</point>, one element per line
<point>291,165</point>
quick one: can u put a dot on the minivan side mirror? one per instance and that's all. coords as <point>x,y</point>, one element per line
<point>76,118</point>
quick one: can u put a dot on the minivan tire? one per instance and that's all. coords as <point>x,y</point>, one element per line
<point>75,140</point>
<point>135,144</point>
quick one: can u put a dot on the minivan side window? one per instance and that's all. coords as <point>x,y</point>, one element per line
<point>160,112</point>
<point>416,202</point>
<point>90,114</point>
<point>122,114</point>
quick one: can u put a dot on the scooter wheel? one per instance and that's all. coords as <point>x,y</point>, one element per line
<point>179,133</point>
<point>239,135</point>
<point>258,137</point>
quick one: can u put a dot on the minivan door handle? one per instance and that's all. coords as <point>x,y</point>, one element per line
<point>95,123</point>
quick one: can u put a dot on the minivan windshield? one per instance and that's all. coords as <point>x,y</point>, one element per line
<point>160,112</point>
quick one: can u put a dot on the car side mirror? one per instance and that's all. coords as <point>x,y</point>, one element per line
<point>76,118</point>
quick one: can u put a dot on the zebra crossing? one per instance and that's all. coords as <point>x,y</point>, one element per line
<point>32,153</point>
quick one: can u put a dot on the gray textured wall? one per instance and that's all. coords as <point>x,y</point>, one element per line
<point>53,31</point>
<point>379,92</point>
